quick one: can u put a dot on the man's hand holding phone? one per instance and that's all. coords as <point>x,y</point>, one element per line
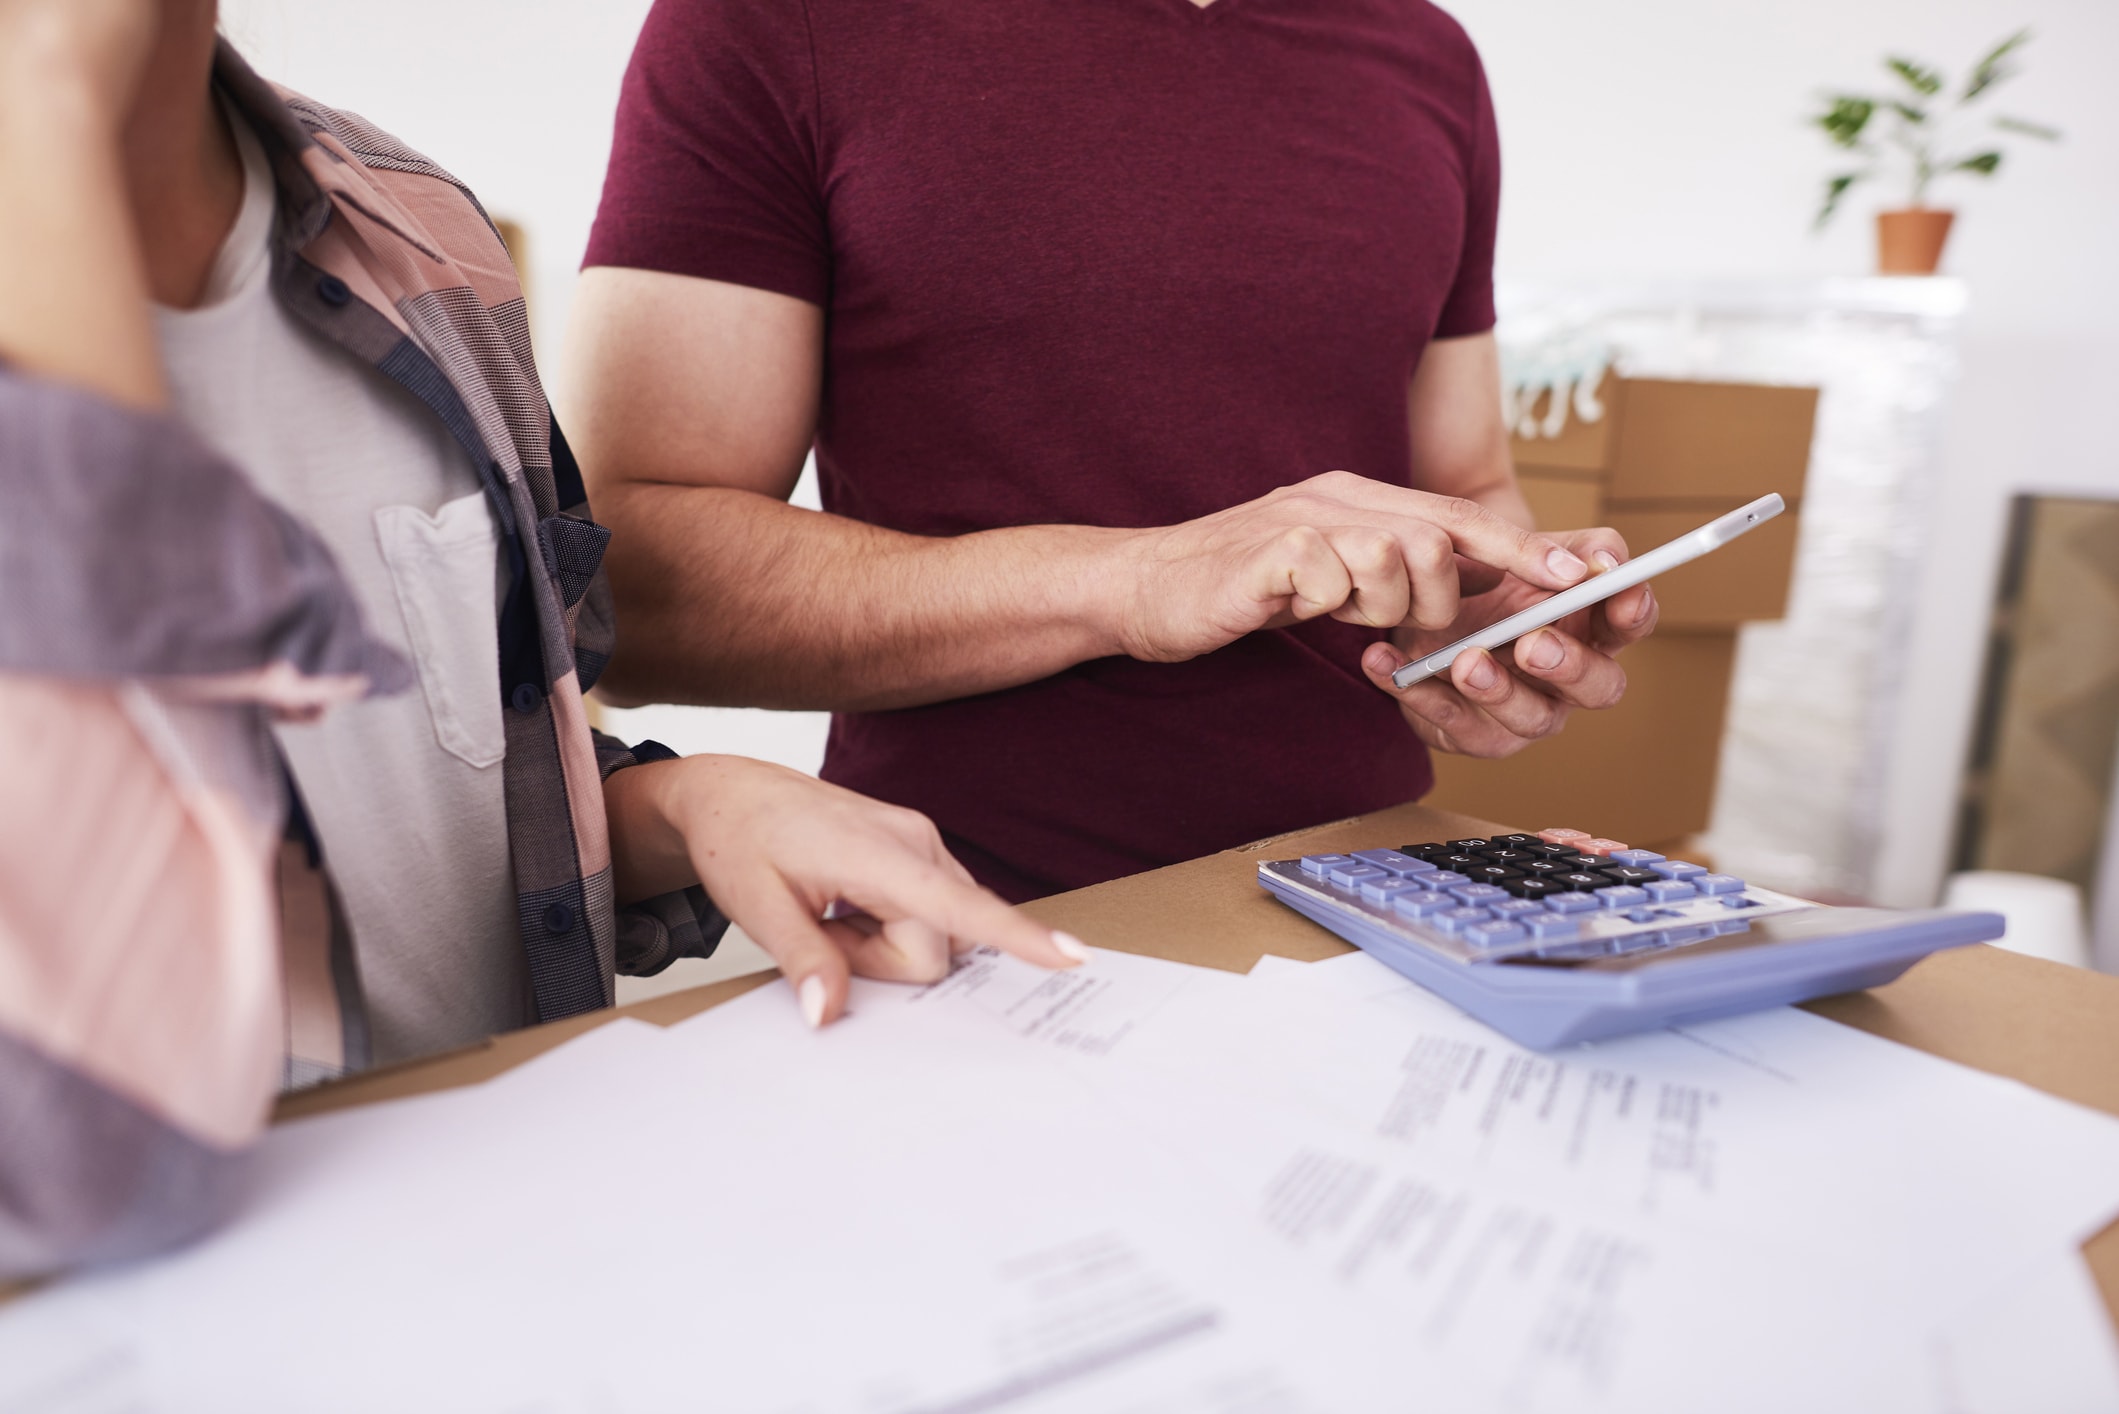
<point>1495,703</point>
<point>1429,568</point>
<point>1335,546</point>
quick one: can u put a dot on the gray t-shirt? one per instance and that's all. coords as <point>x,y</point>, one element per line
<point>405,792</point>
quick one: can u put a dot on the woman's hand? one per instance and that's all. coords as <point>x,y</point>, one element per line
<point>1493,706</point>
<point>778,851</point>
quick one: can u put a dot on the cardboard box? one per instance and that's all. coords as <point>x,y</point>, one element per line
<point>1562,502</point>
<point>1746,579</point>
<point>1667,456</point>
<point>1682,440</point>
<point>1709,443</point>
<point>1642,771</point>
<point>1581,446</point>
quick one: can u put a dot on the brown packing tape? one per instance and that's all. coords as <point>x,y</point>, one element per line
<point>1643,770</point>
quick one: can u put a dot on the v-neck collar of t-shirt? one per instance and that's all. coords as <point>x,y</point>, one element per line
<point>1204,14</point>
<point>246,253</point>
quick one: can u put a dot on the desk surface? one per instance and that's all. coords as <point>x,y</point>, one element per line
<point>2049,1026</point>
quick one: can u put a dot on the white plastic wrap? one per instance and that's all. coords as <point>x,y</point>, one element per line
<point>1806,751</point>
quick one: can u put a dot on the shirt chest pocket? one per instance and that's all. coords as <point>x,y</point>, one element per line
<point>444,567</point>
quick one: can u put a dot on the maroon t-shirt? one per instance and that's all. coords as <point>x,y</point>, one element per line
<point>1101,262</point>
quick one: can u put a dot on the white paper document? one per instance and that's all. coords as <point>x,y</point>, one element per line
<point>1770,1182</point>
<point>1143,1187</point>
<point>742,1216</point>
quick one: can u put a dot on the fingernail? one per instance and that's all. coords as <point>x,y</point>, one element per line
<point>1564,565</point>
<point>1543,651</point>
<point>811,995</point>
<point>1604,561</point>
<point>1647,606</point>
<point>1482,674</point>
<point>1071,947</point>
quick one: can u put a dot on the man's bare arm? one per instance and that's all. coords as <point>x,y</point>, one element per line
<point>692,407</point>
<point>1460,443</point>
<point>692,404</point>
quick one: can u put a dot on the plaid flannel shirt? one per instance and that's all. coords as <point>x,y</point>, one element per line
<point>393,259</point>
<point>154,606</point>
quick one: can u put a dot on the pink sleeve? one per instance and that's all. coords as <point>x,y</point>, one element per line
<point>140,999</point>
<point>153,607</point>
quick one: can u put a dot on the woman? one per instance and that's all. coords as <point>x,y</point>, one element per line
<point>283,490</point>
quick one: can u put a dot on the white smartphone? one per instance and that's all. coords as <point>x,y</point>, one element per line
<point>1689,546</point>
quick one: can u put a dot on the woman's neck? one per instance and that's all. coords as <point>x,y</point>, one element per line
<point>184,175</point>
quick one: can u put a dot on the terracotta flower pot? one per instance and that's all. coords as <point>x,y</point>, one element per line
<point>1910,242</point>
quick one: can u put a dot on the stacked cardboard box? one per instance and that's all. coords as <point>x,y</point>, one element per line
<point>1667,457</point>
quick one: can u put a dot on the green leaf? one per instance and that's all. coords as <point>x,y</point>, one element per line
<point>1984,163</point>
<point>2023,127</point>
<point>1845,120</point>
<point>1834,190</point>
<point>1994,69</point>
<point>1907,111</point>
<point>1921,79</point>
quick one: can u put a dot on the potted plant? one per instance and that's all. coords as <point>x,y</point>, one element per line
<point>1918,127</point>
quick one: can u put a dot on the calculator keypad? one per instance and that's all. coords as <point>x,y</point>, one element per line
<point>1392,861</point>
<point>1560,894</point>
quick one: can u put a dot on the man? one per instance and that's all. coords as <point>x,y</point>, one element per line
<point>1075,302</point>
<point>271,442</point>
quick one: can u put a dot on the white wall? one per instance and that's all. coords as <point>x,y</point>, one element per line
<point>514,96</point>
<point>1655,137</point>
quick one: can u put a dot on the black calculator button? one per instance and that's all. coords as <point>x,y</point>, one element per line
<point>1532,887</point>
<point>1626,874</point>
<point>1516,858</point>
<point>1516,841</point>
<point>1492,874</point>
<point>1462,863</point>
<point>1534,865</point>
<point>1553,851</point>
<point>1422,851</point>
<point>1467,846</point>
<point>1581,880</point>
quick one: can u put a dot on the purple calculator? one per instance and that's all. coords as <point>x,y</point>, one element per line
<point>1563,936</point>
